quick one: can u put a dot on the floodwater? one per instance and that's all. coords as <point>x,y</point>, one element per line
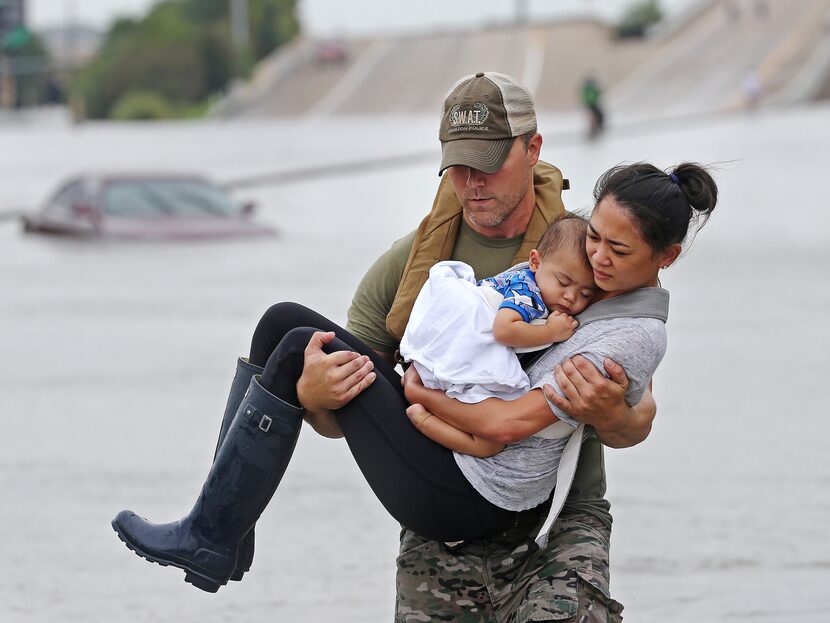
<point>117,357</point>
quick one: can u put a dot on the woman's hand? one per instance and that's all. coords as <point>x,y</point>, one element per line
<point>330,381</point>
<point>415,390</point>
<point>412,384</point>
<point>418,416</point>
<point>597,401</point>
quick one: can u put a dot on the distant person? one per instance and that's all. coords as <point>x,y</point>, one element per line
<point>53,91</point>
<point>761,8</point>
<point>591,100</point>
<point>492,206</point>
<point>753,89</point>
<point>458,343</point>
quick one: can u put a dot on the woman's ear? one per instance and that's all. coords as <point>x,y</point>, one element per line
<point>670,255</point>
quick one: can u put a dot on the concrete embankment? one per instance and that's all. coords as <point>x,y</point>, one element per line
<point>699,62</point>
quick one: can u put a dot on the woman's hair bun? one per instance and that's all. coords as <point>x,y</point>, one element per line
<point>698,186</point>
<point>663,205</point>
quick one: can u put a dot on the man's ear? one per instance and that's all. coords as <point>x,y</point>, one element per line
<point>534,149</point>
<point>535,260</point>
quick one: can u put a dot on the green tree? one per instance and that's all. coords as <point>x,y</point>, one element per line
<point>274,23</point>
<point>141,105</point>
<point>181,52</point>
<point>638,17</point>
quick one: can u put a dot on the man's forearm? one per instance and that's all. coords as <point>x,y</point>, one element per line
<point>590,397</point>
<point>630,429</point>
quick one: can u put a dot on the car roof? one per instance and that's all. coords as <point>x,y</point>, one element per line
<point>104,178</point>
<point>94,183</point>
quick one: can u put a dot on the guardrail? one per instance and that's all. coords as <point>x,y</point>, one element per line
<point>29,65</point>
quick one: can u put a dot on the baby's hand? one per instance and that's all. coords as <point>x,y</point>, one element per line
<point>561,326</point>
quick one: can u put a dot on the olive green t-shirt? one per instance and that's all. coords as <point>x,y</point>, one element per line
<point>376,291</point>
<point>373,300</point>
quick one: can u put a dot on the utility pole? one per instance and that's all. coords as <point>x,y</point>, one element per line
<point>70,25</point>
<point>240,33</point>
<point>240,24</point>
<point>521,12</point>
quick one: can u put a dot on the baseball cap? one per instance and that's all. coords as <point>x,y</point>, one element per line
<point>481,116</point>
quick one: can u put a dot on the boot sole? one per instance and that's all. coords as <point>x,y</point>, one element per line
<point>195,578</point>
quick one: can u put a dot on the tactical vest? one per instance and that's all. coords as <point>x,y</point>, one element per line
<point>436,235</point>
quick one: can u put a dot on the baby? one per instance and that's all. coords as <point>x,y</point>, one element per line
<point>458,343</point>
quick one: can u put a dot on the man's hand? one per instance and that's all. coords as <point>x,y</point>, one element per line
<point>597,401</point>
<point>561,326</point>
<point>330,381</point>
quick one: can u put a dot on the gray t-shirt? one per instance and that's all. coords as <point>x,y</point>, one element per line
<point>523,475</point>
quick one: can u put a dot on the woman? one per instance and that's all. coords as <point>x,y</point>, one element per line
<point>640,219</point>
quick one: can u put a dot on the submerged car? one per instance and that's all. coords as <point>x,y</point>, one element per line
<point>144,206</point>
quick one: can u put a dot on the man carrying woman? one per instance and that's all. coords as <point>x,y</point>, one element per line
<point>491,207</point>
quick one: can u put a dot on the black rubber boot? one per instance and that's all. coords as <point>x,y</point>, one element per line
<point>241,379</point>
<point>245,371</point>
<point>241,482</point>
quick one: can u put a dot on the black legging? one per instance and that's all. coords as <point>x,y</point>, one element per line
<point>416,479</point>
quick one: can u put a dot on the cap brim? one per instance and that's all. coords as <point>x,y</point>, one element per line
<point>482,155</point>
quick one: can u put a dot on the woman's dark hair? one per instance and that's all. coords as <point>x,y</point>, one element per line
<point>662,204</point>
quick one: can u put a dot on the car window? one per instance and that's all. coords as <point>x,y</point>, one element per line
<point>63,201</point>
<point>151,198</point>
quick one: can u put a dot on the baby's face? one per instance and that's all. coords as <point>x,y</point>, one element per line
<point>566,284</point>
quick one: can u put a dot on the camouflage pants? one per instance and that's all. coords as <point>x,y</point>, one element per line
<point>507,578</point>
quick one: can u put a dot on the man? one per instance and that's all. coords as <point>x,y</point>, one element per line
<point>495,199</point>
<point>591,94</point>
